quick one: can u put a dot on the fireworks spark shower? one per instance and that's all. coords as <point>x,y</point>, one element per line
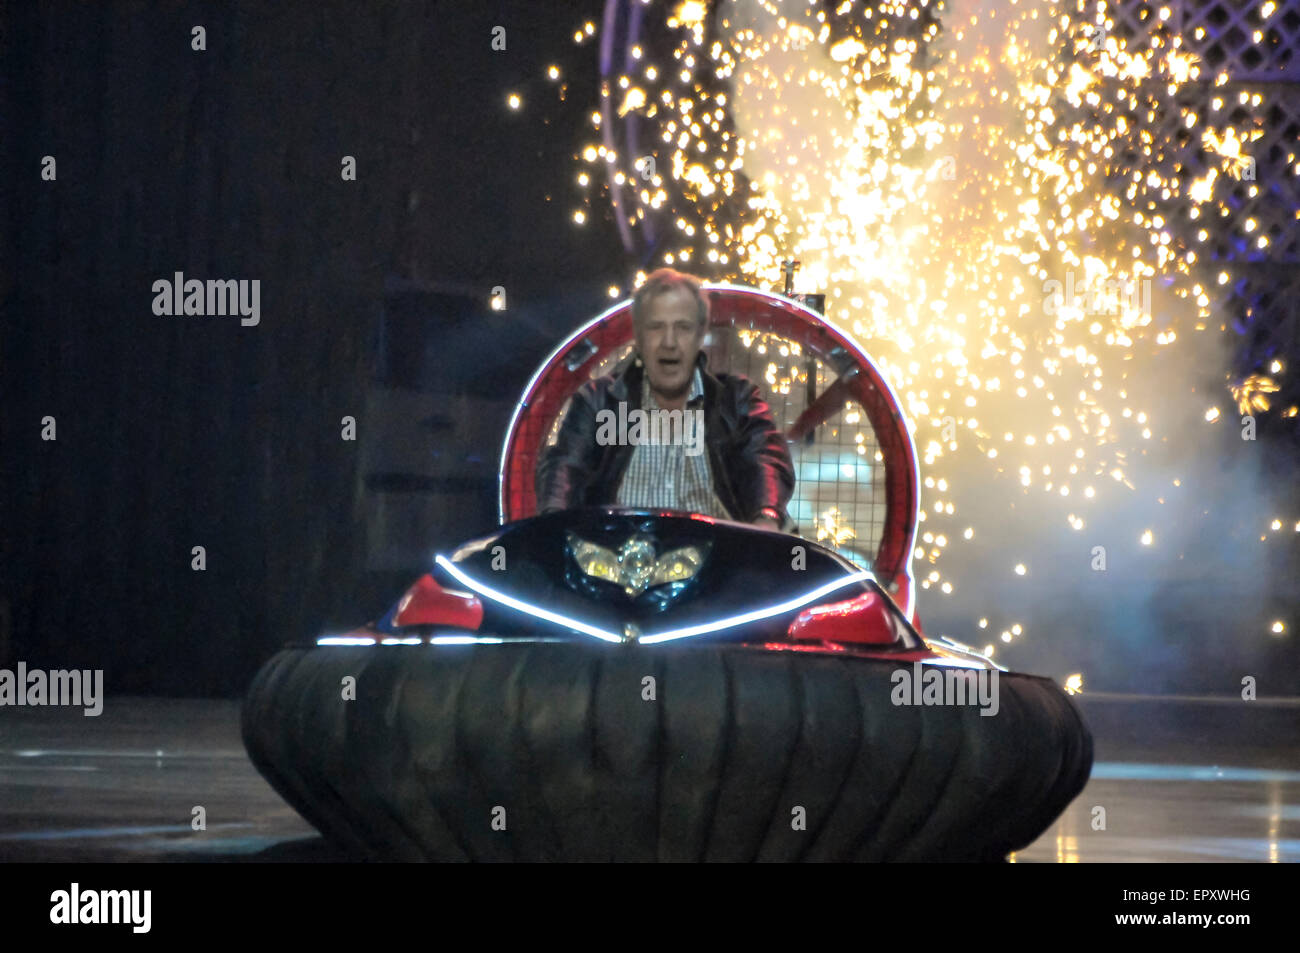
<point>979,192</point>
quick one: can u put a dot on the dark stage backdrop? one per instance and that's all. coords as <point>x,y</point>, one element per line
<point>180,431</point>
<point>174,432</point>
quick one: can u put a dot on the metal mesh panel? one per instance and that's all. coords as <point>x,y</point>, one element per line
<point>839,497</point>
<point>601,368</point>
<point>1249,54</point>
<point>1249,39</point>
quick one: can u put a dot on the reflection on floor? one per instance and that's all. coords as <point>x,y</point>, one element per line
<point>1177,812</point>
<point>129,784</point>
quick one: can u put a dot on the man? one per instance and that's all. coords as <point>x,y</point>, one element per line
<point>744,472</point>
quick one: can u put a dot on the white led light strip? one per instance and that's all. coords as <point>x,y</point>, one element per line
<point>522,606</point>
<point>413,640</point>
<point>757,613</point>
<point>604,634</point>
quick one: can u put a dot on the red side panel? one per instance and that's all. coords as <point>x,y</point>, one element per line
<point>427,603</point>
<point>864,619</point>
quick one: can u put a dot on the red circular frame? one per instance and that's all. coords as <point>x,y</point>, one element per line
<point>569,365</point>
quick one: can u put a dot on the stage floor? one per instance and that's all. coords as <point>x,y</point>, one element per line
<point>124,786</point>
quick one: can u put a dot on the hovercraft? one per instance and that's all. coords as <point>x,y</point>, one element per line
<point>607,684</point>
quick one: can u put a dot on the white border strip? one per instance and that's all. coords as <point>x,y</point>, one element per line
<point>757,613</point>
<point>605,635</point>
<point>512,602</point>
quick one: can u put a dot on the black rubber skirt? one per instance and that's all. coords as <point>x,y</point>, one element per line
<point>596,752</point>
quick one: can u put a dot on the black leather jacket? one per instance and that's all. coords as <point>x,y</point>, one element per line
<point>748,456</point>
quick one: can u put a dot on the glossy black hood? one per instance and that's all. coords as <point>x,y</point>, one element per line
<point>527,574</point>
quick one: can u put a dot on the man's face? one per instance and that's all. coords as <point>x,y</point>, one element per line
<point>668,339</point>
